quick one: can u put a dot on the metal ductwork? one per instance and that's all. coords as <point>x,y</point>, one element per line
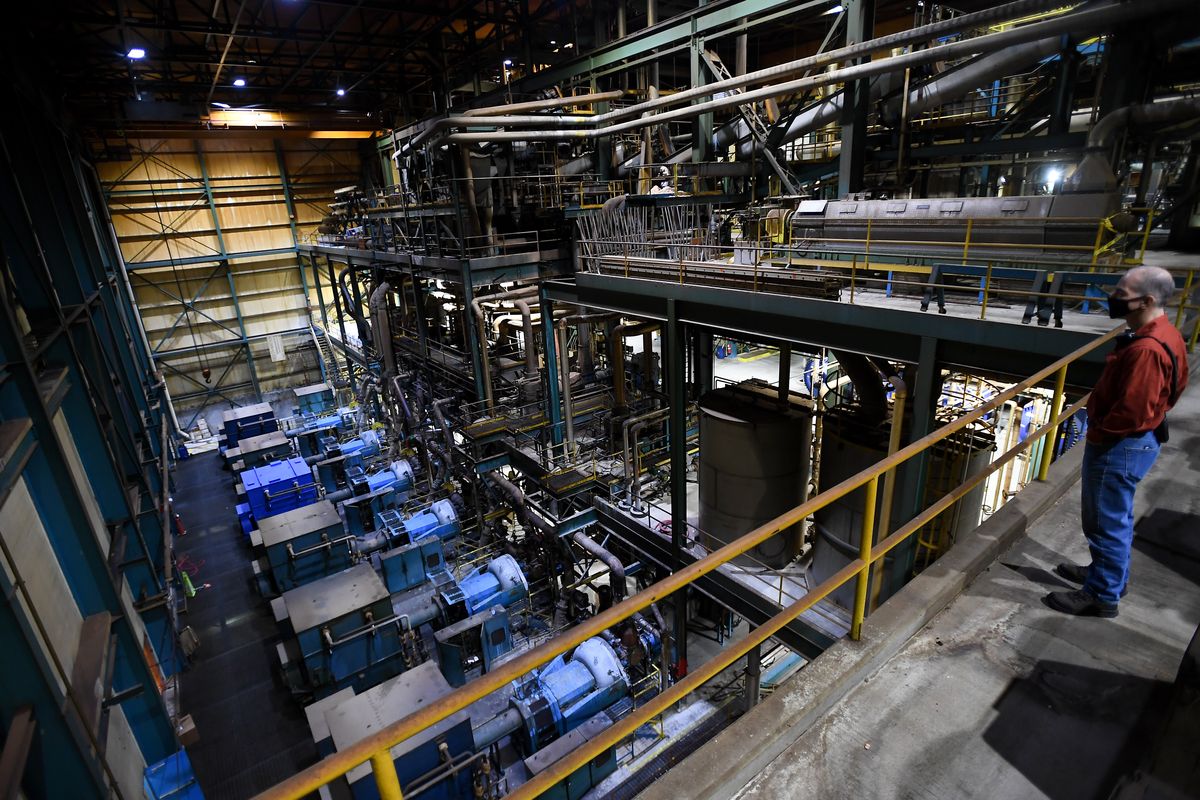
<point>1094,173</point>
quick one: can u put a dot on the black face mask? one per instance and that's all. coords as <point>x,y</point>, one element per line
<point>1118,307</point>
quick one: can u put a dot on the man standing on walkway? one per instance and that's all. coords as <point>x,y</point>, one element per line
<point>1142,378</point>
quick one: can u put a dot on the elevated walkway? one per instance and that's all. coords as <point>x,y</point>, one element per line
<point>997,696</point>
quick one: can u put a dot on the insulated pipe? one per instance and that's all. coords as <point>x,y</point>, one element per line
<point>537,105</point>
<point>481,331</point>
<point>1087,20</point>
<point>616,570</point>
<point>617,356</point>
<point>1094,173</point>
<point>496,728</point>
<point>381,331</point>
<point>440,418</point>
<point>627,452</point>
<point>868,385</point>
<point>517,501</point>
<point>564,377</point>
<point>531,364</point>
<point>913,36</point>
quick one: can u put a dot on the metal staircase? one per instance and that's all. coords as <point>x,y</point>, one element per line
<point>333,369</point>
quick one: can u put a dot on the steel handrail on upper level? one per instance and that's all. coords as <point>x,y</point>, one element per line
<point>376,748</point>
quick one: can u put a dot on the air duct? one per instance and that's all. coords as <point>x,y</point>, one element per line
<point>1094,173</point>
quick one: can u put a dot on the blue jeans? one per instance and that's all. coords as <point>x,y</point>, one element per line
<point>1110,476</point>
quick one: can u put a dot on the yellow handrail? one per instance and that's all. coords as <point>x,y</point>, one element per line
<point>375,747</point>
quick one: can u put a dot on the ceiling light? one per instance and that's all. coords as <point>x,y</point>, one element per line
<point>136,53</point>
<point>839,8</point>
<point>341,92</point>
<point>553,42</point>
<point>239,82</point>
<point>221,105</point>
<point>508,62</point>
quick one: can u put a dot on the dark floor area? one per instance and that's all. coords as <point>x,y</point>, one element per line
<point>252,733</point>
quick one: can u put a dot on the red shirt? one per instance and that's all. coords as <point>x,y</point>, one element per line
<point>1133,393</point>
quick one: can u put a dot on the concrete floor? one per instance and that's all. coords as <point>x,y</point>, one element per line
<point>1001,697</point>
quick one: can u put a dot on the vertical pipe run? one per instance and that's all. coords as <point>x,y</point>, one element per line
<point>753,676</point>
<point>785,371</point>
<point>1051,436</point>
<point>552,400</point>
<point>677,431</point>
<point>565,377</point>
<point>865,544</point>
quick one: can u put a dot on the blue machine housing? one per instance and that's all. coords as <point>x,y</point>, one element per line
<point>314,399</point>
<point>412,565</point>
<point>439,520</point>
<point>277,487</point>
<point>345,629</point>
<point>304,544</point>
<point>420,755</point>
<point>242,423</point>
<point>313,429</point>
<point>499,582</point>
<point>563,694</point>
<point>373,494</point>
<point>342,458</point>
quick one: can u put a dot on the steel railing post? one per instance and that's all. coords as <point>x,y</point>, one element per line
<point>866,540</point>
<point>386,779</point>
<point>1060,383</point>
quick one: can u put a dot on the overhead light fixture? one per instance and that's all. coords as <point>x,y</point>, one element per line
<point>839,8</point>
<point>239,82</point>
<point>252,61</point>
<point>136,53</point>
<point>221,105</point>
<point>341,92</point>
<point>568,44</point>
<point>553,42</point>
<point>508,62</point>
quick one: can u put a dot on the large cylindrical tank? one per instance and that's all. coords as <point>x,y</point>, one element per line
<point>754,466</point>
<point>848,446</point>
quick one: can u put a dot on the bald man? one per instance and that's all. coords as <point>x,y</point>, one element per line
<point>1142,379</point>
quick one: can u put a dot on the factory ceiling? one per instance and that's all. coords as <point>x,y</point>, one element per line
<point>363,64</point>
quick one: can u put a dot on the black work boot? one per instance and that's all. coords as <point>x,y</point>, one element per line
<point>1081,603</point>
<point>1077,573</point>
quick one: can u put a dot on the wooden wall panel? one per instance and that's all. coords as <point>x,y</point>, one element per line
<point>209,238</point>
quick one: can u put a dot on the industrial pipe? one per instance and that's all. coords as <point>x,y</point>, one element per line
<point>517,501</point>
<point>616,570</point>
<point>481,331</point>
<point>628,427</point>
<point>617,355</point>
<point>381,331</point>
<point>916,35</point>
<point>440,418</point>
<point>537,105</point>
<point>1087,20</point>
<point>564,376</point>
<point>1094,173</point>
<point>868,385</point>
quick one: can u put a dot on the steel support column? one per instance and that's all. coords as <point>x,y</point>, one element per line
<point>554,404</point>
<point>674,332</point>
<point>472,336</point>
<point>860,26</point>
<point>910,492</point>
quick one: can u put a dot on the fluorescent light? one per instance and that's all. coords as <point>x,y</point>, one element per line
<point>839,8</point>
<point>553,42</point>
<point>239,82</point>
<point>508,62</point>
<point>1052,177</point>
<point>221,105</point>
<point>136,53</point>
<point>341,92</point>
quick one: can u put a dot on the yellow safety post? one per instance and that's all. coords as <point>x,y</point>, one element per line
<point>987,285</point>
<point>1146,235</point>
<point>967,241</point>
<point>386,779</point>
<point>1060,384</point>
<point>1195,335</point>
<point>1183,298</point>
<point>866,540</point>
<point>867,250</point>
<point>1096,245</point>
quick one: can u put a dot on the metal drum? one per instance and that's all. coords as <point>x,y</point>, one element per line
<point>754,466</point>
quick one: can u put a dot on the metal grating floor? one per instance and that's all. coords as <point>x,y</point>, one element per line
<point>252,733</point>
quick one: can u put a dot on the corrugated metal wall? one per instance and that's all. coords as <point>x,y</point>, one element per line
<point>208,229</point>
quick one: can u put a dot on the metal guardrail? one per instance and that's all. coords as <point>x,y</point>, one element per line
<point>376,748</point>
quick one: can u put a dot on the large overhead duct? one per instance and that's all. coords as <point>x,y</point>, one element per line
<point>1087,20</point>
<point>1094,173</point>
